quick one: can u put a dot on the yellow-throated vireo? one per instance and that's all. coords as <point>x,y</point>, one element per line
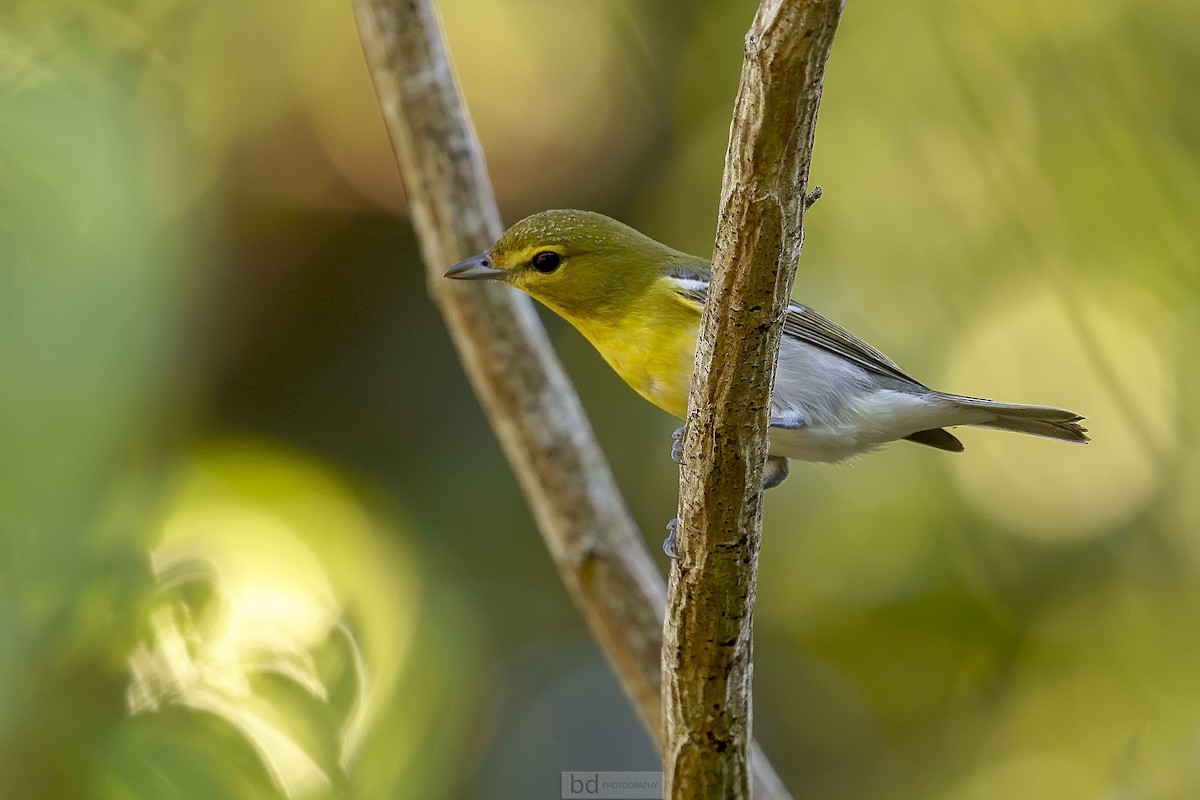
<point>639,302</point>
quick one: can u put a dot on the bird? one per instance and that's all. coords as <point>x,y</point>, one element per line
<point>639,303</point>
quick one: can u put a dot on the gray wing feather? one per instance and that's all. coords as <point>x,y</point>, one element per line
<point>803,324</point>
<point>808,326</point>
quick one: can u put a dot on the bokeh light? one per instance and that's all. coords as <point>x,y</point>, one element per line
<point>1073,352</point>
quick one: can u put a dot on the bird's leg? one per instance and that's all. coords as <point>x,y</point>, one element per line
<point>669,542</point>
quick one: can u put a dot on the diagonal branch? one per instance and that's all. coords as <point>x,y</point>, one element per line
<point>707,643</point>
<point>531,405</point>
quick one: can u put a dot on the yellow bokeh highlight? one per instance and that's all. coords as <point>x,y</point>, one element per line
<point>538,50</point>
<point>1084,352</point>
<point>293,562</point>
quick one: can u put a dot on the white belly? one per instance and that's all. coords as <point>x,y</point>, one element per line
<point>843,411</point>
<point>864,424</point>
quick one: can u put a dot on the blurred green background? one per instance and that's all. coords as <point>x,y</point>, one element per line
<point>257,540</point>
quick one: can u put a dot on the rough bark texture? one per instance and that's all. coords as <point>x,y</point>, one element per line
<point>531,405</point>
<point>707,639</point>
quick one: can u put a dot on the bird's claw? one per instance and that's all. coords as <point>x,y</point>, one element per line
<point>669,542</point>
<point>677,446</point>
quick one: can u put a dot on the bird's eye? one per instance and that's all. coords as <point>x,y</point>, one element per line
<point>546,261</point>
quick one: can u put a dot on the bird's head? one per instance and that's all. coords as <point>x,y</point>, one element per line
<point>579,263</point>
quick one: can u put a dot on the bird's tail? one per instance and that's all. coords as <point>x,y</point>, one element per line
<point>1053,423</point>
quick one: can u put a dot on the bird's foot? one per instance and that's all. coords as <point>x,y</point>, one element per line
<point>774,472</point>
<point>677,445</point>
<point>669,542</point>
<point>777,467</point>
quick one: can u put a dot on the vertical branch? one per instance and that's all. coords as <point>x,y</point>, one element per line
<point>707,644</point>
<point>530,403</point>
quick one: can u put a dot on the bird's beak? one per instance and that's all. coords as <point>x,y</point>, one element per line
<point>476,268</point>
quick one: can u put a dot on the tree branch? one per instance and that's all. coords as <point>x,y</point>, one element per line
<point>707,643</point>
<point>531,405</point>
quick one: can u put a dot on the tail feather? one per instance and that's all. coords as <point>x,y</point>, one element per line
<point>1053,423</point>
<point>1070,431</point>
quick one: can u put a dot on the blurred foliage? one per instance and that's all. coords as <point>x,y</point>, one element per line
<point>256,539</point>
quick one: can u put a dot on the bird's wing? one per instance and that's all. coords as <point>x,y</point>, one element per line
<point>806,325</point>
<point>803,324</point>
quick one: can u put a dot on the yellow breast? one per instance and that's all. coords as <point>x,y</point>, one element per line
<point>653,353</point>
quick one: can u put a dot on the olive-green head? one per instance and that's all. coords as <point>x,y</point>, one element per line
<point>579,263</point>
